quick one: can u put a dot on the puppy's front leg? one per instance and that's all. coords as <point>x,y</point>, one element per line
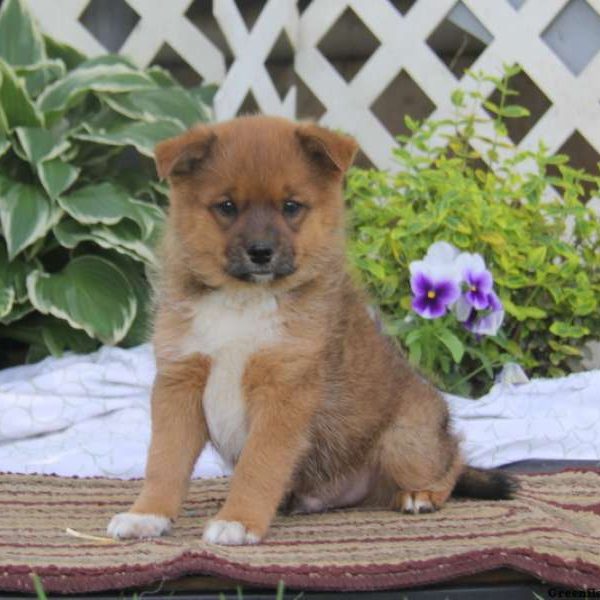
<point>179,433</point>
<point>279,416</point>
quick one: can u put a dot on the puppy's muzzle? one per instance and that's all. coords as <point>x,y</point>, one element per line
<point>260,260</point>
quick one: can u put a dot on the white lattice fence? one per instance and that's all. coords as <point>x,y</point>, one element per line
<point>557,42</point>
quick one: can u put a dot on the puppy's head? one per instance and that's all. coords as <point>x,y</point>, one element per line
<point>256,199</point>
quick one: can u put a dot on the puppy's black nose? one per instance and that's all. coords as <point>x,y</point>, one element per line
<point>260,253</point>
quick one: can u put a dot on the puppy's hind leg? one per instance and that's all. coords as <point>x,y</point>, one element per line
<point>424,463</point>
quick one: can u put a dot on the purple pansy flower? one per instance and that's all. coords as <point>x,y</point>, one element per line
<point>477,279</point>
<point>448,278</point>
<point>432,296</point>
<point>434,281</point>
<point>479,288</point>
<point>488,322</point>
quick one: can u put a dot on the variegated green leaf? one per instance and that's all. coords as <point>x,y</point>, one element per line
<point>7,299</point>
<point>58,336</point>
<point>5,183</point>
<point>90,293</point>
<point>26,215</point>
<point>56,50</point>
<point>108,204</point>
<point>140,329</point>
<point>17,312</point>
<point>161,104</point>
<point>142,136</point>
<point>40,144</point>
<point>17,108</point>
<point>48,335</point>
<point>123,237</point>
<point>161,76</point>
<point>4,145</point>
<point>38,76</point>
<point>14,272</point>
<point>119,237</point>
<point>13,275</point>
<point>3,117</point>
<point>108,60</point>
<point>57,176</point>
<point>204,93</point>
<point>21,42</point>
<point>150,215</point>
<point>66,92</point>
<point>7,292</point>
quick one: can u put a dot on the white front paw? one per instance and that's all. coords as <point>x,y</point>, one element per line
<point>228,533</point>
<point>132,525</point>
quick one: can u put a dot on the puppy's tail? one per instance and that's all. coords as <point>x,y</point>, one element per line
<point>487,484</point>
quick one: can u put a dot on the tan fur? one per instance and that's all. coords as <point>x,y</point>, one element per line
<point>334,413</point>
<point>178,435</point>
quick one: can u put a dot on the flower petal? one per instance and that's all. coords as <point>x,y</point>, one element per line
<point>417,266</point>
<point>437,308</point>
<point>494,303</point>
<point>428,308</point>
<point>420,284</point>
<point>435,271</point>
<point>462,309</point>
<point>421,306</point>
<point>477,299</point>
<point>469,324</point>
<point>482,280</point>
<point>441,253</point>
<point>490,324</point>
<point>446,291</point>
<point>466,262</point>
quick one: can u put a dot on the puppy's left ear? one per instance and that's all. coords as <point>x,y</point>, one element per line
<point>184,154</point>
<point>329,151</point>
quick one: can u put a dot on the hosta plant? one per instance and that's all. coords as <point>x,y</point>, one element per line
<point>524,213</point>
<point>80,205</point>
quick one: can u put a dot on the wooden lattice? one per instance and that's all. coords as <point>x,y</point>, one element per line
<point>516,35</point>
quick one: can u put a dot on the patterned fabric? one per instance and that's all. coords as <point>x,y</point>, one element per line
<point>550,530</point>
<point>85,415</point>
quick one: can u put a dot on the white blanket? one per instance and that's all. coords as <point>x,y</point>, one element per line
<point>89,415</point>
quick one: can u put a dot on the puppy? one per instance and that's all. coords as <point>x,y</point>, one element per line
<point>265,346</point>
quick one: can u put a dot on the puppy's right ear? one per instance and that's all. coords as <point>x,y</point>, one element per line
<point>330,151</point>
<point>182,155</point>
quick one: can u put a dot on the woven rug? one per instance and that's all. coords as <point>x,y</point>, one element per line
<point>551,531</point>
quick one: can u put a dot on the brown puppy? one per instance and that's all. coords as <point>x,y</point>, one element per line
<point>266,347</point>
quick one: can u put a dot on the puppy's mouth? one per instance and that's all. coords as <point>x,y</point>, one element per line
<point>260,273</point>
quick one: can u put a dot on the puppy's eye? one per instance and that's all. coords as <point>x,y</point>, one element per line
<point>226,208</point>
<point>291,208</point>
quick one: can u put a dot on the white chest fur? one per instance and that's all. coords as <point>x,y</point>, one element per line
<point>230,327</point>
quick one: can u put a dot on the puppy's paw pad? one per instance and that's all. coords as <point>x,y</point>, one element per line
<point>228,533</point>
<point>132,525</point>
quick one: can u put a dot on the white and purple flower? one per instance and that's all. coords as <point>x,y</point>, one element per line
<point>447,278</point>
<point>477,278</point>
<point>433,281</point>
<point>489,321</point>
<point>432,297</point>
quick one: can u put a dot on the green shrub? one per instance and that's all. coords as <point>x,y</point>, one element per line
<point>80,205</point>
<point>542,249</point>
